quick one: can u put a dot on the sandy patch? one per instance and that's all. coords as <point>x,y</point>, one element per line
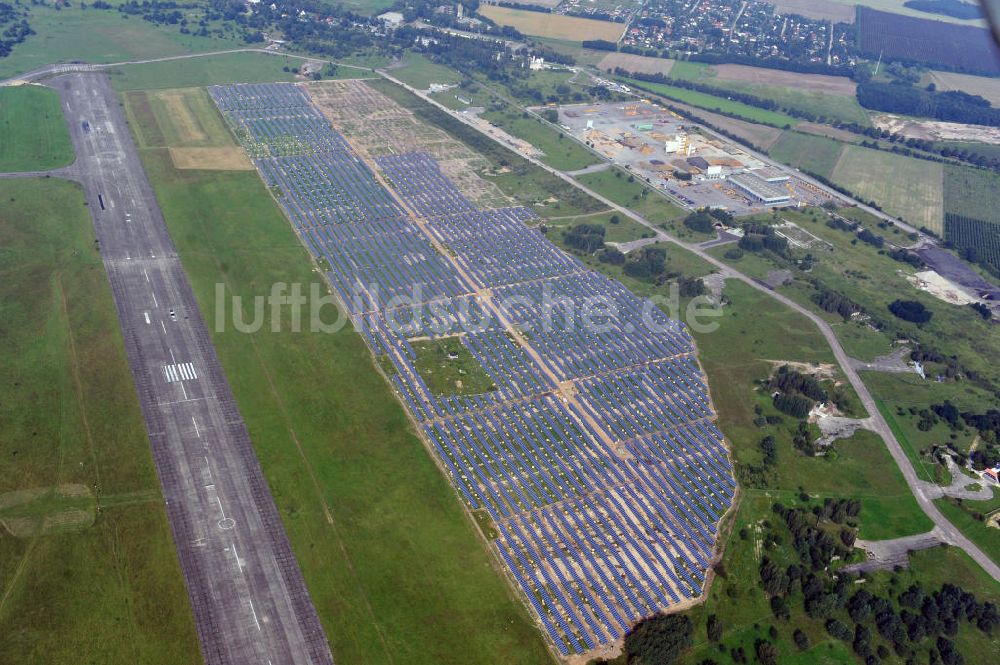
<point>941,287</point>
<point>935,130</point>
<point>211,159</point>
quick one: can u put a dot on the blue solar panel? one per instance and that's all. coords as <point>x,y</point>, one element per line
<point>595,453</point>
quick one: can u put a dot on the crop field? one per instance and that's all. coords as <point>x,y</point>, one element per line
<point>88,569</point>
<point>926,41</point>
<point>32,130</point>
<point>839,12</point>
<point>640,64</point>
<point>557,395</point>
<point>556,26</point>
<point>971,193</point>
<point>986,87</point>
<point>832,85</point>
<point>812,154</point>
<point>820,95</point>
<point>910,189</point>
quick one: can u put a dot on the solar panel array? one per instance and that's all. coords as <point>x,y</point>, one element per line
<point>595,453</point>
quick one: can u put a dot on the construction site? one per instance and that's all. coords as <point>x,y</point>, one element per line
<point>679,157</point>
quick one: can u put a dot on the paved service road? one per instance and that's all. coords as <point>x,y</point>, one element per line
<point>249,600</point>
<point>946,529</point>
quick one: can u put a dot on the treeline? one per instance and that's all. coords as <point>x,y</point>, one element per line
<point>951,106</point>
<point>836,303</point>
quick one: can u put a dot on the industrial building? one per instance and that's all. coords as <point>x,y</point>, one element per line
<point>759,189</point>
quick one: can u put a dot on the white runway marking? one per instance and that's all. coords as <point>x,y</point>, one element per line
<point>179,371</point>
<point>197,433</point>
<point>146,314</point>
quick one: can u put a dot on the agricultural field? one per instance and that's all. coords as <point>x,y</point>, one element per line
<point>392,564</point>
<point>186,123</point>
<point>986,87</point>
<point>931,42</point>
<point>636,64</point>
<point>32,130</point>
<point>555,26</point>
<point>908,188</point>
<point>720,104</point>
<point>88,569</point>
<point>971,193</point>
<point>899,7</point>
<point>221,68</point>
<point>776,78</point>
<point>812,154</point>
<point>822,96</point>
<point>73,34</point>
<point>834,10</point>
<point>561,152</point>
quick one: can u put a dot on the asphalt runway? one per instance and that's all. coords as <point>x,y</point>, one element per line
<point>249,600</point>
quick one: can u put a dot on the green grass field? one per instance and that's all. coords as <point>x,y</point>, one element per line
<point>911,189</point>
<point>624,230</point>
<point>419,72</point>
<point>967,516</point>
<point>207,70</point>
<point>73,34</point>
<point>184,117</point>
<point>393,565</point>
<point>88,570</point>
<point>813,154</point>
<point>32,130</point>
<point>628,191</point>
<point>720,104</point>
<point>561,152</point>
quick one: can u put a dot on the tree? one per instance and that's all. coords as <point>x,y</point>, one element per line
<point>801,639</point>
<point>767,653</point>
<point>713,628</point>
<point>659,640</point>
<point>910,310</point>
